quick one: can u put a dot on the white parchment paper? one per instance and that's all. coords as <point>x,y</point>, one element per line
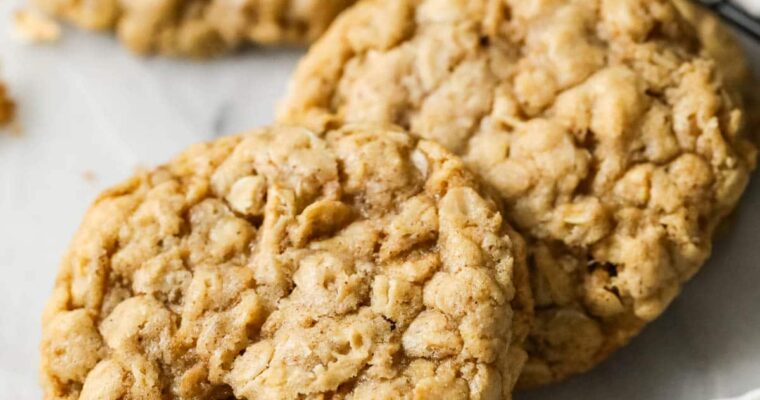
<point>91,113</point>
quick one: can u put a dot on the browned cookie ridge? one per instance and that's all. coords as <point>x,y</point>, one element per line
<point>604,125</point>
<point>282,264</point>
<point>200,28</point>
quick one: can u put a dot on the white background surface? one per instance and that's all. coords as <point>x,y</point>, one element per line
<point>89,108</point>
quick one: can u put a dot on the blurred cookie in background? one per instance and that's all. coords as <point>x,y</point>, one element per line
<point>199,28</point>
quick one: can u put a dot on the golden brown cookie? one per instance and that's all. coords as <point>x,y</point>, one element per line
<point>281,265</point>
<point>607,130</point>
<point>200,28</point>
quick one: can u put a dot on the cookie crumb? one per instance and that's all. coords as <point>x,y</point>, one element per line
<point>7,107</point>
<point>35,27</point>
<point>89,176</point>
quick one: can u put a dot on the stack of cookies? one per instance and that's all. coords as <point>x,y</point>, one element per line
<point>461,198</point>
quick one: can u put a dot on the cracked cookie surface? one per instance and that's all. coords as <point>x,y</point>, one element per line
<point>604,126</point>
<point>200,28</point>
<point>282,264</point>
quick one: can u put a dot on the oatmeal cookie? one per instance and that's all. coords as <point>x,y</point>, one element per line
<point>199,28</point>
<point>606,129</point>
<point>283,264</point>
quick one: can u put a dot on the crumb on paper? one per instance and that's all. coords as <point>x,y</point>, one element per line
<point>89,176</point>
<point>7,107</point>
<point>35,27</point>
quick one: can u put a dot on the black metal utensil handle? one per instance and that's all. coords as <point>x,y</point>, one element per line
<point>735,16</point>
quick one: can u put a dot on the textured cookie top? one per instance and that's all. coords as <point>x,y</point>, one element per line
<point>602,124</point>
<point>278,265</point>
<point>721,44</point>
<point>200,28</point>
